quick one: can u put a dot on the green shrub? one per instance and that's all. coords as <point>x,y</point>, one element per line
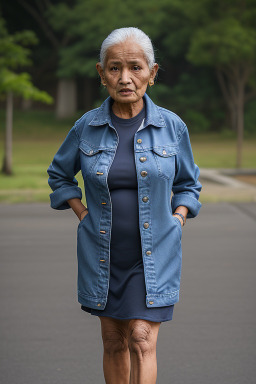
<point>196,121</point>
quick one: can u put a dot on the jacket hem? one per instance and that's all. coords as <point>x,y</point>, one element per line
<point>162,300</point>
<point>152,300</point>
<point>92,301</point>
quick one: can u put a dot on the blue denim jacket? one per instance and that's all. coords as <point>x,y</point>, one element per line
<point>164,163</point>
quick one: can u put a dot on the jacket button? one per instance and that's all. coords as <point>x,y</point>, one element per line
<point>164,152</point>
<point>143,173</point>
<point>91,152</point>
<point>151,302</point>
<point>146,225</point>
<point>148,253</point>
<point>99,304</point>
<point>139,141</point>
<point>145,199</point>
<point>142,159</point>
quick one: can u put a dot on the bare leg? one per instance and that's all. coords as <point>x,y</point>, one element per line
<point>116,357</point>
<point>142,340</point>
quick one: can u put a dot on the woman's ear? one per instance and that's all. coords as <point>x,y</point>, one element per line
<point>101,73</point>
<point>154,72</point>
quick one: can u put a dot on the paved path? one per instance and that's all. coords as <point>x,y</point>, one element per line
<point>46,337</point>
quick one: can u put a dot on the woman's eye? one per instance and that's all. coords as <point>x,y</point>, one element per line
<point>136,68</point>
<point>114,69</point>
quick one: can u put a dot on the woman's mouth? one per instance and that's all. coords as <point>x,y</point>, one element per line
<point>126,91</point>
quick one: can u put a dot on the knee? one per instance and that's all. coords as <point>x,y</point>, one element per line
<point>140,339</point>
<point>114,342</point>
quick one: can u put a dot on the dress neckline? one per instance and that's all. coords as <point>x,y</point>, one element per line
<point>131,121</point>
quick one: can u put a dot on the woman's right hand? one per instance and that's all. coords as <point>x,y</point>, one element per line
<point>83,214</point>
<point>78,207</point>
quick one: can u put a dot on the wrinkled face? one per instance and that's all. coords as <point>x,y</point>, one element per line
<point>126,73</point>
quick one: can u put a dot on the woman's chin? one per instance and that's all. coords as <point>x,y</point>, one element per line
<point>127,98</point>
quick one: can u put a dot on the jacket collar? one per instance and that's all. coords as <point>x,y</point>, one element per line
<point>153,114</point>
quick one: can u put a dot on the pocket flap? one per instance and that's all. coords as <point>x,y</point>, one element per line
<point>88,148</point>
<point>166,150</point>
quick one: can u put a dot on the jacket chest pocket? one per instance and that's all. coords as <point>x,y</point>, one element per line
<point>89,157</point>
<point>166,160</point>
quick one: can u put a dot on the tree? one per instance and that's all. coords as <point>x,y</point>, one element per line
<point>85,24</point>
<point>13,55</point>
<point>66,100</point>
<point>72,32</point>
<point>227,42</point>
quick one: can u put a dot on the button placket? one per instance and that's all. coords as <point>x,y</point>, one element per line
<point>148,261</point>
<point>104,225</point>
<point>144,213</point>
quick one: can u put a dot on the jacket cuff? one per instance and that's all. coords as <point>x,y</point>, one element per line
<point>188,201</point>
<point>60,196</point>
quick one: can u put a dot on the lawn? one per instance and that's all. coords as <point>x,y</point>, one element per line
<point>37,136</point>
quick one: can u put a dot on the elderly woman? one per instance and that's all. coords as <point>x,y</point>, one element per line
<point>132,155</point>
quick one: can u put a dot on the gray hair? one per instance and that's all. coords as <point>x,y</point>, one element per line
<point>120,35</point>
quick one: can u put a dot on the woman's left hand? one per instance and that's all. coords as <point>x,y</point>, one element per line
<point>180,219</point>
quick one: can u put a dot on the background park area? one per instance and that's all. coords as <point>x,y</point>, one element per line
<point>38,135</point>
<point>206,50</point>
<point>207,55</point>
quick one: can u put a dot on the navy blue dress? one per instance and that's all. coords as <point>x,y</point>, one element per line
<point>127,291</point>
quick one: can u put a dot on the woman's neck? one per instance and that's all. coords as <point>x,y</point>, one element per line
<point>129,110</point>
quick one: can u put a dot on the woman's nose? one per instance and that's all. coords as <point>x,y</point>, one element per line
<point>125,77</point>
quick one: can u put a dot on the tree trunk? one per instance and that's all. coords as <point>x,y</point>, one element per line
<point>233,119</point>
<point>240,125</point>
<point>66,98</point>
<point>7,162</point>
<point>26,105</point>
<point>233,90</point>
<point>88,94</point>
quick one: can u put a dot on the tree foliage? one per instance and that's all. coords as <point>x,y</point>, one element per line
<point>227,43</point>
<point>14,55</point>
<point>194,40</point>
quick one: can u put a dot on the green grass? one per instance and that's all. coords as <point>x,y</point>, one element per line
<point>29,181</point>
<point>218,151</point>
<point>37,136</point>
<point>36,125</point>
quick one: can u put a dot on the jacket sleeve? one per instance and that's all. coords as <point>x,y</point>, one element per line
<point>63,168</point>
<point>186,187</point>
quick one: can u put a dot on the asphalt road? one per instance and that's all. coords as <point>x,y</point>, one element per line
<point>46,338</point>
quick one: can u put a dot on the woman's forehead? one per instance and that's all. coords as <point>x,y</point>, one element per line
<point>128,51</point>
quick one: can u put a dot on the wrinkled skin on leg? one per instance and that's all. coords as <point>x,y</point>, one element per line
<point>129,350</point>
